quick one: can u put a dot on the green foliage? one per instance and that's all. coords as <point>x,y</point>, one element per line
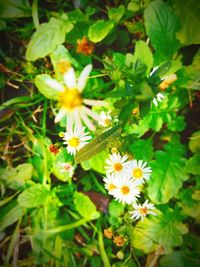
<point>168,173</point>
<point>47,37</point>
<point>190,21</point>
<point>194,143</point>
<point>192,165</point>
<point>99,30</point>
<point>15,9</point>
<point>116,13</point>
<point>85,206</point>
<point>165,229</point>
<point>161,26</point>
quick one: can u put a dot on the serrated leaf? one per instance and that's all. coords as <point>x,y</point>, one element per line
<point>99,30</point>
<point>165,229</point>
<point>167,173</point>
<point>33,197</point>
<point>47,37</point>
<point>142,149</point>
<point>193,164</point>
<point>161,26</point>
<point>194,143</point>
<point>190,21</point>
<point>116,13</point>
<point>97,144</point>
<point>16,178</point>
<point>85,206</point>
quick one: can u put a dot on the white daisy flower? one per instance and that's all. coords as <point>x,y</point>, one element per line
<point>76,139</point>
<point>126,191</point>
<point>159,98</point>
<point>139,171</point>
<point>117,164</point>
<point>105,119</point>
<point>71,102</point>
<point>66,167</point>
<point>141,211</point>
<point>110,183</point>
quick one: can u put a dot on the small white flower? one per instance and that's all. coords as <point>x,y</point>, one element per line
<point>159,97</point>
<point>139,171</point>
<point>66,167</point>
<point>126,190</point>
<point>141,211</point>
<point>76,139</point>
<point>105,119</point>
<point>117,164</point>
<point>110,183</point>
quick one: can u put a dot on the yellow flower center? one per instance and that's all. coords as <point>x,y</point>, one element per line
<point>70,99</point>
<point>63,66</point>
<point>74,141</point>
<point>111,187</point>
<point>118,167</point>
<point>143,211</point>
<point>137,173</point>
<point>107,122</point>
<point>125,190</point>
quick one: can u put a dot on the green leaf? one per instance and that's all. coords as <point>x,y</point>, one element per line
<point>13,215</point>
<point>193,164</point>
<point>178,124</point>
<point>15,9</point>
<point>194,143</point>
<point>190,21</point>
<point>115,208</point>
<point>165,229</point>
<point>33,197</point>
<point>16,178</point>
<point>142,149</point>
<point>167,173</point>
<point>85,206</point>
<point>116,13</point>
<point>97,144</point>
<point>98,161</point>
<point>99,30</point>
<point>44,88</point>
<point>161,26</point>
<point>47,37</point>
<point>143,52</point>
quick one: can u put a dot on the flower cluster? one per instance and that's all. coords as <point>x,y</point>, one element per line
<point>123,180</point>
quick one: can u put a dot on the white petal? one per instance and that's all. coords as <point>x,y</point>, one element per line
<point>91,102</point>
<point>60,115</point>
<point>77,118</point>
<point>55,85</point>
<point>70,79</point>
<point>91,113</point>
<point>70,120</point>
<point>155,102</point>
<point>87,121</point>
<point>83,77</point>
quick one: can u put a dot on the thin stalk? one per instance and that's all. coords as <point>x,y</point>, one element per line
<point>102,250</point>
<point>35,14</point>
<point>67,227</point>
<point>44,116</point>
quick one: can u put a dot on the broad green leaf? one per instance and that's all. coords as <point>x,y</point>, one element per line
<point>142,149</point>
<point>44,88</point>
<point>98,161</point>
<point>178,124</point>
<point>85,206</point>
<point>99,30</point>
<point>188,14</point>
<point>115,208</point>
<point>194,143</point>
<point>15,9</point>
<point>33,196</point>
<point>165,229</point>
<point>97,144</point>
<point>116,13</point>
<point>193,164</point>
<point>192,74</point>
<point>167,173</point>
<point>16,178</point>
<point>161,26</point>
<point>61,157</point>
<point>13,215</point>
<point>143,52</point>
<point>47,37</point>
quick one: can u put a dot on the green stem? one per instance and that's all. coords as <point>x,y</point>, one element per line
<point>35,14</point>
<point>44,116</point>
<point>102,250</point>
<point>68,226</point>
